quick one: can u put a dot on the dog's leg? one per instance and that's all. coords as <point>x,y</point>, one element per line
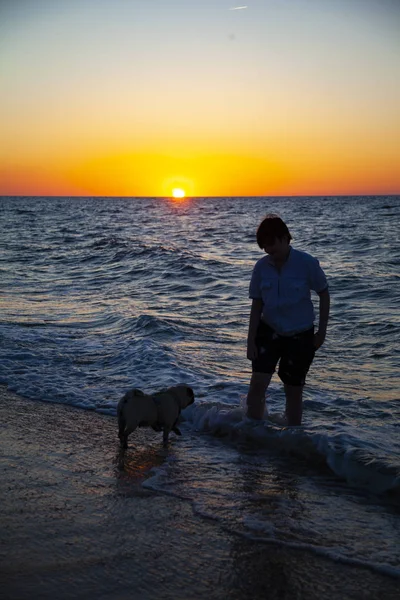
<point>165,436</point>
<point>123,438</point>
<point>121,430</point>
<point>127,432</point>
<point>121,425</point>
<point>175,428</point>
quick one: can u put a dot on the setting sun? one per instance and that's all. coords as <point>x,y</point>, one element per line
<point>178,193</point>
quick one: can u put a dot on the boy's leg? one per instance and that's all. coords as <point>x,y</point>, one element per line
<point>297,356</point>
<point>256,396</point>
<point>263,367</point>
<point>294,403</point>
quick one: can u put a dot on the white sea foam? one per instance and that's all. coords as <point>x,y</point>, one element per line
<point>345,459</point>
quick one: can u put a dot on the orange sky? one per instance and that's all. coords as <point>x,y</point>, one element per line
<point>294,98</point>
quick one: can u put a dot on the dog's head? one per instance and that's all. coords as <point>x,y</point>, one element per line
<point>184,395</point>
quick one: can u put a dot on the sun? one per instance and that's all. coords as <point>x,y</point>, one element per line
<point>178,193</point>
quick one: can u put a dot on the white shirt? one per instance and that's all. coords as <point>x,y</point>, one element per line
<point>286,293</point>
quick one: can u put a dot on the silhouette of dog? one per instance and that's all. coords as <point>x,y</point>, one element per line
<point>160,411</point>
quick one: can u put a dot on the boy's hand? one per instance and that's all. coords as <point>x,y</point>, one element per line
<point>251,350</point>
<point>319,338</point>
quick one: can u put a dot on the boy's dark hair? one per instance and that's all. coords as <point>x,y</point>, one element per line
<point>270,228</point>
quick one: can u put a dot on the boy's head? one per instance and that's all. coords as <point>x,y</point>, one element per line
<point>271,229</point>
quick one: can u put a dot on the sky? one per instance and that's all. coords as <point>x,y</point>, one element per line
<point>216,98</point>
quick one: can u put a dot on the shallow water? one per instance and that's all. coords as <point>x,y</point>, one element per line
<point>78,524</point>
<point>99,295</point>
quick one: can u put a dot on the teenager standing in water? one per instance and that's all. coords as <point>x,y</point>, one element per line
<point>281,324</point>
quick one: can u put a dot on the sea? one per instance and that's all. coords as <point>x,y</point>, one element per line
<point>100,295</point>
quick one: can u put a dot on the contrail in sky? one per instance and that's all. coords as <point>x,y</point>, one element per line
<point>238,7</point>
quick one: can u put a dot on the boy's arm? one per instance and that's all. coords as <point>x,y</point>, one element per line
<point>324,306</point>
<point>255,316</point>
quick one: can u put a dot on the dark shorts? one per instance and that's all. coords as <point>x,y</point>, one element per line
<point>295,354</point>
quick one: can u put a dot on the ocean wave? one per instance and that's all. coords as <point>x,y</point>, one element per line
<point>155,326</point>
<point>108,242</point>
<point>348,458</point>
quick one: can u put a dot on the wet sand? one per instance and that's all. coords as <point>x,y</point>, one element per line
<point>75,522</point>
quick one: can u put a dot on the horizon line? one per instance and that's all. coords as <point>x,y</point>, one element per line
<point>359,195</point>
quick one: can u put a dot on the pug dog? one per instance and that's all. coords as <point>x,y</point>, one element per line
<point>160,411</point>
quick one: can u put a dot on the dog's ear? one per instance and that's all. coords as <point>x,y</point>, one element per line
<point>190,393</point>
<point>138,393</point>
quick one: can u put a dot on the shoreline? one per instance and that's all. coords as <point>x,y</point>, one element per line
<point>75,522</point>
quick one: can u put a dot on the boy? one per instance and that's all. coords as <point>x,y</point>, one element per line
<point>281,326</point>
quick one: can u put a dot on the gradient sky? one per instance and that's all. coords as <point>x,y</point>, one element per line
<point>136,97</point>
